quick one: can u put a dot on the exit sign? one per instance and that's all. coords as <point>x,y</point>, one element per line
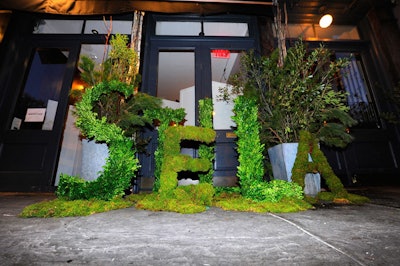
<point>220,53</point>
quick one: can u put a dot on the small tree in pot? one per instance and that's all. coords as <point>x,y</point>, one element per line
<point>297,96</point>
<point>122,110</point>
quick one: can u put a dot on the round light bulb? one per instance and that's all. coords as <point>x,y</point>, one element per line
<point>325,21</point>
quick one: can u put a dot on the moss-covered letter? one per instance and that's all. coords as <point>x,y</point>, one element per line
<point>174,161</point>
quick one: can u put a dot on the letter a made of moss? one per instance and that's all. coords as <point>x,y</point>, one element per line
<point>309,145</point>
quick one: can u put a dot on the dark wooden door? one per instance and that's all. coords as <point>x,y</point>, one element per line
<point>32,132</point>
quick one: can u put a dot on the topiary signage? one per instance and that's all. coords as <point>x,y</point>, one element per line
<point>165,117</point>
<point>121,164</point>
<point>308,144</point>
<point>174,161</point>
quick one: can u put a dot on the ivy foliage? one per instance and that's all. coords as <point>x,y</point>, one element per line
<point>163,118</point>
<point>121,164</point>
<point>110,110</point>
<point>249,147</point>
<point>206,151</point>
<point>274,191</point>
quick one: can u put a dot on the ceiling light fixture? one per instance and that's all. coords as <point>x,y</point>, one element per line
<point>325,21</point>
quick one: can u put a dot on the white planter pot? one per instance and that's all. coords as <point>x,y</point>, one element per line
<point>94,157</point>
<point>282,157</point>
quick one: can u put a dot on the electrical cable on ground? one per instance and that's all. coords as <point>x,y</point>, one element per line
<point>318,239</point>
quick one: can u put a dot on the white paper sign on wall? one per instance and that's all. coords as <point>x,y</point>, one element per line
<point>35,114</point>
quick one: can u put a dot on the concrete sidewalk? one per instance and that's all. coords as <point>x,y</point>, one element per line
<point>334,235</point>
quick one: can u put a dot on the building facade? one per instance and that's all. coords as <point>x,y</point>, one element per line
<point>187,51</point>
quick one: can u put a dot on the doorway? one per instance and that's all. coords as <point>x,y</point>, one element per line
<point>192,58</point>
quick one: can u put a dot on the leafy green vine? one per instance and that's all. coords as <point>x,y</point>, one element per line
<point>164,117</point>
<point>206,151</point>
<point>250,149</point>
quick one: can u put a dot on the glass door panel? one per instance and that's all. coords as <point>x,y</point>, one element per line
<point>176,85</point>
<point>182,67</point>
<point>76,155</point>
<point>176,81</point>
<point>201,28</point>
<point>359,99</point>
<point>224,64</point>
<point>37,105</point>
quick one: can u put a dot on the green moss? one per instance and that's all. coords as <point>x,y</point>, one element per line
<point>311,200</point>
<point>155,202</point>
<point>165,117</point>
<point>357,199</point>
<point>308,145</point>
<point>63,208</point>
<point>134,198</point>
<point>347,199</point>
<point>183,199</point>
<point>235,202</point>
<point>174,161</point>
<point>201,194</point>
<point>325,196</point>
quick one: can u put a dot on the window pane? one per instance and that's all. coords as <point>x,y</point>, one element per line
<point>223,65</point>
<point>37,105</point>
<point>48,26</point>
<point>361,104</point>
<point>226,29</point>
<point>103,27</point>
<point>97,52</point>
<point>178,28</point>
<point>175,83</point>
<point>315,32</point>
<point>182,28</point>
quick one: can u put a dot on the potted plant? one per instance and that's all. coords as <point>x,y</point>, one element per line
<point>298,95</point>
<point>123,110</point>
<point>110,115</point>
